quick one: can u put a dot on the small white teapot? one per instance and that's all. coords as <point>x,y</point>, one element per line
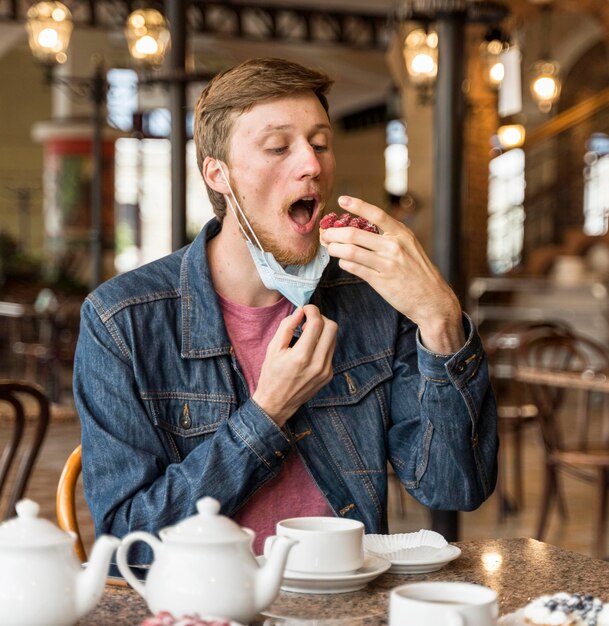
<point>41,580</point>
<point>205,565</point>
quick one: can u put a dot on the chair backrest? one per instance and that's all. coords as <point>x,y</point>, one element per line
<point>66,500</point>
<point>28,402</point>
<point>503,347</point>
<point>574,354</point>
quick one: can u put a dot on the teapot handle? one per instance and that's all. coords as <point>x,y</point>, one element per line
<point>121,558</point>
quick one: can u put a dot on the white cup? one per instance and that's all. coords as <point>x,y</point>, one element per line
<point>443,604</point>
<point>326,545</point>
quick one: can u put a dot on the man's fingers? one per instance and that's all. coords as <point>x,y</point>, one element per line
<point>311,331</point>
<point>327,341</point>
<point>370,212</point>
<point>286,329</point>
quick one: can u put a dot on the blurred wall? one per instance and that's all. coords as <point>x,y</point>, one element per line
<point>23,101</point>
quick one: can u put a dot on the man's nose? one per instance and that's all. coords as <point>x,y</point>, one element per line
<point>308,162</point>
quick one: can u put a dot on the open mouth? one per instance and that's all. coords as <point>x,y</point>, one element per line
<point>304,210</point>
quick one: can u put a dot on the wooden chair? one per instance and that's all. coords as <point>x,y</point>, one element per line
<point>515,408</point>
<point>29,402</point>
<point>573,421</point>
<point>66,499</point>
<point>65,503</point>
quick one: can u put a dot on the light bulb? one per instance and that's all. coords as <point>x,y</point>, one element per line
<point>545,87</point>
<point>511,135</point>
<point>48,38</point>
<point>423,64</point>
<point>497,72</point>
<point>146,45</point>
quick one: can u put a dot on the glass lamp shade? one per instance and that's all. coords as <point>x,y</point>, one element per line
<point>49,26</point>
<point>421,56</point>
<point>147,36</point>
<point>491,53</point>
<point>545,84</point>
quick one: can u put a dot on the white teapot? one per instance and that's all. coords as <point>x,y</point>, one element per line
<point>41,580</point>
<point>205,565</point>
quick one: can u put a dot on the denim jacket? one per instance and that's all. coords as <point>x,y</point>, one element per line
<point>167,417</point>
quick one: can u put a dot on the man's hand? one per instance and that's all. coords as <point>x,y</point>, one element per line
<point>395,265</point>
<point>292,376</point>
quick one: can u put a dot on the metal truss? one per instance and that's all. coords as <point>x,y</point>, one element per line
<point>241,20</point>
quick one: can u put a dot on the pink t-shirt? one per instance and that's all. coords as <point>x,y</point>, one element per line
<point>292,493</point>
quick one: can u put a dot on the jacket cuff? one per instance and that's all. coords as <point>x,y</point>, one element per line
<point>455,368</point>
<point>260,434</point>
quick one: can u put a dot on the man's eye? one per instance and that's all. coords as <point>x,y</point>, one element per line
<point>319,148</point>
<point>279,150</point>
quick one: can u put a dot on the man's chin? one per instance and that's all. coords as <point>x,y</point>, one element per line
<point>292,257</point>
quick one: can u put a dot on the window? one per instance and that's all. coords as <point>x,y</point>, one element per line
<point>506,211</point>
<point>122,98</point>
<point>596,185</point>
<point>143,200</point>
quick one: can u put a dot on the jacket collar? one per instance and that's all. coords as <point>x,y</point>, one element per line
<point>203,330</point>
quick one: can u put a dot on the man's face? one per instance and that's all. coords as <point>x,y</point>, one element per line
<point>281,167</point>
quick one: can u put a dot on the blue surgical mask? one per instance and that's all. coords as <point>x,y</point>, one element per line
<point>296,282</point>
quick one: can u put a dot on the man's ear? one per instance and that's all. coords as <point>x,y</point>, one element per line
<point>213,176</point>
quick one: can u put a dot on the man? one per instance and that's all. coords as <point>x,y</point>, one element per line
<point>195,375</point>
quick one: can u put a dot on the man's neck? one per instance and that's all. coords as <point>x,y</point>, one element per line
<point>233,272</point>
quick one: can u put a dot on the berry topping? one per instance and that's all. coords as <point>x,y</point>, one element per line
<point>334,221</point>
<point>164,618</point>
<point>572,609</point>
<point>328,220</point>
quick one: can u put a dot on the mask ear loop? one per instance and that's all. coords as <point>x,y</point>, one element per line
<point>230,203</point>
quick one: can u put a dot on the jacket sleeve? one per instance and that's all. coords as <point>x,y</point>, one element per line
<point>129,480</point>
<point>443,445</point>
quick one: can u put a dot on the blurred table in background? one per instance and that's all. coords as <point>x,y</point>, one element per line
<point>492,302</point>
<point>590,381</point>
<point>37,344</point>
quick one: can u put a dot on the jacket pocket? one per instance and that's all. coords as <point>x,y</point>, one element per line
<point>353,381</point>
<point>187,418</point>
<point>351,415</point>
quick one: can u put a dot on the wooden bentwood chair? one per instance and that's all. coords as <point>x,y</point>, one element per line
<point>66,506</point>
<point>66,500</point>
<point>516,408</point>
<point>574,421</point>
<point>29,402</point>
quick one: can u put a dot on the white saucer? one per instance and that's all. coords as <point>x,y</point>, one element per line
<point>373,567</point>
<point>423,566</point>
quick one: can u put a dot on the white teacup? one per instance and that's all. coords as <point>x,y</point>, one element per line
<point>443,604</point>
<point>326,545</point>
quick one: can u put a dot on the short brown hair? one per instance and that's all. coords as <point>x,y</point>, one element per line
<point>235,91</point>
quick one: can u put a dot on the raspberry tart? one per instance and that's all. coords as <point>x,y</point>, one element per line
<point>164,618</point>
<point>331,220</point>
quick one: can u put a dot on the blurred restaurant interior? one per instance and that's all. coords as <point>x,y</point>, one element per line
<point>483,125</point>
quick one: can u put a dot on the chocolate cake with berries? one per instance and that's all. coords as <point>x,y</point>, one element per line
<point>566,609</point>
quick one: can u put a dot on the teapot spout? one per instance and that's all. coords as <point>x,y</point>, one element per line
<point>91,580</point>
<point>270,575</point>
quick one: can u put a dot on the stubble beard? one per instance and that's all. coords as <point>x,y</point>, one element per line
<point>283,255</point>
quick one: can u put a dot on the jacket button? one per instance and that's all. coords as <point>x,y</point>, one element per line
<point>185,420</point>
<point>460,367</point>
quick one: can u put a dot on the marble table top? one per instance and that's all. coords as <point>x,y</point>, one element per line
<point>517,569</point>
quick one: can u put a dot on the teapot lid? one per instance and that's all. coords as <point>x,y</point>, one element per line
<point>208,526</point>
<point>29,530</point>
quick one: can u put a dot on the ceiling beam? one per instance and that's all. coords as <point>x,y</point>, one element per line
<point>241,20</point>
